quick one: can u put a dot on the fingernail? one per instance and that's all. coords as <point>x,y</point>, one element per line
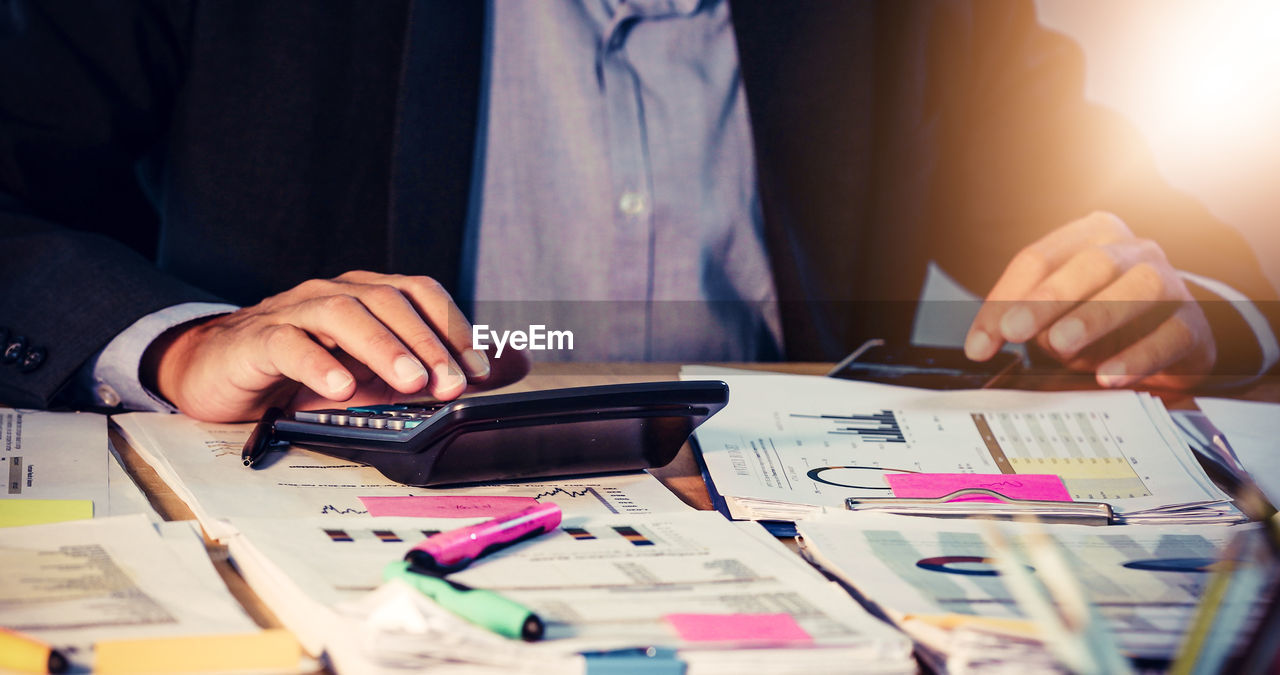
<point>1065,336</point>
<point>1018,325</point>
<point>447,379</point>
<point>337,381</point>
<point>1112,374</point>
<point>978,346</point>
<point>476,362</point>
<point>408,368</point>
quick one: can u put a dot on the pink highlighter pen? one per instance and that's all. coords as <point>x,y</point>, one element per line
<point>453,550</point>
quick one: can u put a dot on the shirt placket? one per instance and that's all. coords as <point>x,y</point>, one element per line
<point>632,179</point>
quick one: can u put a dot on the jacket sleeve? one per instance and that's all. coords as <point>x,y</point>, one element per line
<point>87,89</point>
<point>1024,152</point>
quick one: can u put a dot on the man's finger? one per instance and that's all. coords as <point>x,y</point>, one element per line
<point>1085,275</point>
<point>1027,270</point>
<point>293,354</point>
<point>1182,335</point>
<point>435,303</point>
<point>1131,297</point>
<point>346,321</point>
<point>1035,263</point>
<point>436,308</point>
<point>1002,313</point>
<point>390,306</point>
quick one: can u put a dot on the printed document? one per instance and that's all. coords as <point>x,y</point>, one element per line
<point>598,582</point>
<point>71,584</point>
<point>201,462</point>
<point>68,457</point>
<point>55,456</point>
<point>1145,580</point>
<point>1251,427</point>
<point>787,445</point>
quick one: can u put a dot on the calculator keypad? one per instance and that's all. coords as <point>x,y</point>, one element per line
<point>394,417</point>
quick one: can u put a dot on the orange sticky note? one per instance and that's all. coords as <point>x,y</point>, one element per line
<point>253,652</point>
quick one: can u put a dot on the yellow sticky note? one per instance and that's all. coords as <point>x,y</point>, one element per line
<point>15,512</point>
<point>255,652</point>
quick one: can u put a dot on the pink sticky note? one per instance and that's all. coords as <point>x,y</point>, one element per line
<point>444,506</point>
<point>770,628</point>
<point>1015,486</point>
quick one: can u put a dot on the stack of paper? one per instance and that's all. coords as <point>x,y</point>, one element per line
<point>201,463</point>
<point>60,466</point>
<point>728,597</point>
<point>788,445</point>
<point>73,584</point>
<point>931,575</point>
<point>1252,428</point>
<point>632,566</point>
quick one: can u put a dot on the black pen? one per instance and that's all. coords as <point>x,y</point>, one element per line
<point>260,439</point>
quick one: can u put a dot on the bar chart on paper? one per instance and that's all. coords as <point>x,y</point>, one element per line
<point>1076,445</point>
<point>787,445</point>
<point>878,427</point>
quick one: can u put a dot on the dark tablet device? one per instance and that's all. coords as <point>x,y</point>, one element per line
<point>927,367</point>
<point>503,437</point>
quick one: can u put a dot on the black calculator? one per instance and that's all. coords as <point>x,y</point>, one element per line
<point>504,437</point>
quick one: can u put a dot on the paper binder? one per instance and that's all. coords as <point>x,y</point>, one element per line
<point>1005,508</point>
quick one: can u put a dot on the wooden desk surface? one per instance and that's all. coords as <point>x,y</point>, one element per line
<point>681,475</point>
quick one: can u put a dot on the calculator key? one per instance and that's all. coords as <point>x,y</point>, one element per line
<point>339,418</point>
<point>358,419</point>
<point>317,416</point>
<point>378,420</point>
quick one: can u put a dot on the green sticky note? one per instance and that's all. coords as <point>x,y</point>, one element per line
<point>15,512</point>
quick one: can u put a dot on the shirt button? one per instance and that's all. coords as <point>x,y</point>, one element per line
<point>108,396</point>
<point>633,203</point>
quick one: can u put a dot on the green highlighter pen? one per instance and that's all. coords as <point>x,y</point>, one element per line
<point>483,608</point>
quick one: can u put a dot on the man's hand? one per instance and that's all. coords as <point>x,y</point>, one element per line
<point>360,338</point>
<point>1098,298</point>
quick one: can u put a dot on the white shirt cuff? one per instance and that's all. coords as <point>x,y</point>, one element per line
<point>1248,311</point>
<point>114,373</point>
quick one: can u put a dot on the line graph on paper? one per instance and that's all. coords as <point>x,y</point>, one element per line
<point>559,494</point>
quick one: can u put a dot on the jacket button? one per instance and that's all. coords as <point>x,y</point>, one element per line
<point>13,351</point>
<point>31,359</point>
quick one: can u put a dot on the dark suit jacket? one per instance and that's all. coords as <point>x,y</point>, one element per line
<point>160,151</point>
